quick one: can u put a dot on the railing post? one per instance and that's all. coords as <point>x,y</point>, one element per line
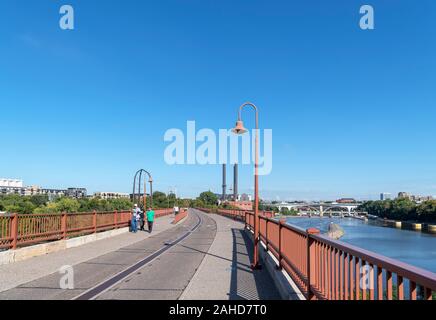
<point>116,219</point>
<point>14,231</point>
<point>94,221</point>
<point>266,235</point>
<point>311,261</point>
<point>64,225</point>
<point>281,222</point>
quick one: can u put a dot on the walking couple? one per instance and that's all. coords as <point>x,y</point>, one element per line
<point>137,219</point>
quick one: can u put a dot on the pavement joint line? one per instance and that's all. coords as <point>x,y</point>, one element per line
<point>106,285</point>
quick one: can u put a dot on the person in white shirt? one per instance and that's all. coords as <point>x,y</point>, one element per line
<point>134,218</point>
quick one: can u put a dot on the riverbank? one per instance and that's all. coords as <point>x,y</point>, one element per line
<point>408,225</point>
<point>404,225</point>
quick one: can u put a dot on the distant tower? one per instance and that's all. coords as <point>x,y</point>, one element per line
<point>235,182</point>
<point>224,183</point>
<point>385,196</point>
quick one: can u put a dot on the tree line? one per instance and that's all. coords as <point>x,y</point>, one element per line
<point>401,209</point>
<point>41,204</point>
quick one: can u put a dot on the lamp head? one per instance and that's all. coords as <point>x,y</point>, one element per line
<point>239,129</point>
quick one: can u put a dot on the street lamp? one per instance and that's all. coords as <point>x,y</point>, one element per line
<point>240,129</point>
<point>150,180</point>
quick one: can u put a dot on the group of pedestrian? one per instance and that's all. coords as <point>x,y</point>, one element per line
<point>138,219</point>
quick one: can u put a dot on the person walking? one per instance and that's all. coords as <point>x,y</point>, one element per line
<point>133,225</point>
<point>138,218</point>
<point>141,220</point>
<point>150,219</point>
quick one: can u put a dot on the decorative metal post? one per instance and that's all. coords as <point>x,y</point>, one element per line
<point>94,221</point>
<point>64,225</point>
<point>14,230</point>
<point>311,261</point>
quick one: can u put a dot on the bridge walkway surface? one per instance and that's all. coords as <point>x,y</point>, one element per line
<point>202,257</point>
<point>225,273</point>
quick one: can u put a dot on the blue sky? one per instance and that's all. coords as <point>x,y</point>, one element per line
<point>352,111</point>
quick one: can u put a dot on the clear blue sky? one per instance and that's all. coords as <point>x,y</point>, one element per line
<point>353,112</point>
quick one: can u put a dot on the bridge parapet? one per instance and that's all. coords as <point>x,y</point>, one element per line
<point>18,230</point>
<point>326,269</point>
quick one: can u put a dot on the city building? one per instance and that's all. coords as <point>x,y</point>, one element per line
<point>111,195</point>
<point>52,193</point>
<point>77,193</point>
<point>405,195</point>
<point>385,196</point>
<point>11,183</point>
<point>245,197</point>
<point>11,186</point>
<point>243,205</point>
<point>346,200</point>
<point>16,186</point>
<point>141,195</point>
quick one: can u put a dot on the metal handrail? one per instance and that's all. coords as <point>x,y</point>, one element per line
<point>18,230</point>
<point>329,268</point>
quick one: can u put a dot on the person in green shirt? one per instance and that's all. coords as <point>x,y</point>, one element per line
<point>150,219</point>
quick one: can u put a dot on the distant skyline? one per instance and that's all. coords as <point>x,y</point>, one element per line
<point>229,190</point>
<point>352,111</point>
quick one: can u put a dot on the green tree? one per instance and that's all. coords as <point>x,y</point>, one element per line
<point>400,209</point>
<point>39,200</point>
<point>60,205</point>
<point>208,198</point>
<point>426,211</point>
<point>160,200</point>
<point>16,204</point>
<point>121,204</point>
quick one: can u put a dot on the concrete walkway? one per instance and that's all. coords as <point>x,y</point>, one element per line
<point>225,272</point>
<point>211,262</point>
<point>18,273</point>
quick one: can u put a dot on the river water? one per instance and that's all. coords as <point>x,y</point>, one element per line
<point>412,247</point>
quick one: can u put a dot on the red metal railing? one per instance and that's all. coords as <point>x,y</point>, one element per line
<point>23,230</point>
<point>323,268</point>
<point>180,216</point>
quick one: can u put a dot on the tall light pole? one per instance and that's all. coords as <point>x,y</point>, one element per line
<point>240,129</point>
<point>150,180</point>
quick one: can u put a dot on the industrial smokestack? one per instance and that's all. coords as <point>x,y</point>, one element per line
<point>224,183</point>
<point>235,182</point>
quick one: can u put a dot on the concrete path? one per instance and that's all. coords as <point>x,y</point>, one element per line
<point>167,277</point>
<point>18,273</point>
<point>225,272</point>
<point>203,257</point>
<point>163,277</point>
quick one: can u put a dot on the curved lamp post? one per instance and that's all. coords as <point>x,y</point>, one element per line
<point>240,129</point>
<point>150,180</point>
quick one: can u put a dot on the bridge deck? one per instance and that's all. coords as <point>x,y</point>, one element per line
<point>226,268</point>
<point>18,273</point>
<point>222,255</point>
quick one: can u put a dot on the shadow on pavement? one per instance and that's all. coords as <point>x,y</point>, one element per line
<point>247,284</point>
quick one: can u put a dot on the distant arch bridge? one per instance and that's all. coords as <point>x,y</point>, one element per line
<point>320,209</point>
